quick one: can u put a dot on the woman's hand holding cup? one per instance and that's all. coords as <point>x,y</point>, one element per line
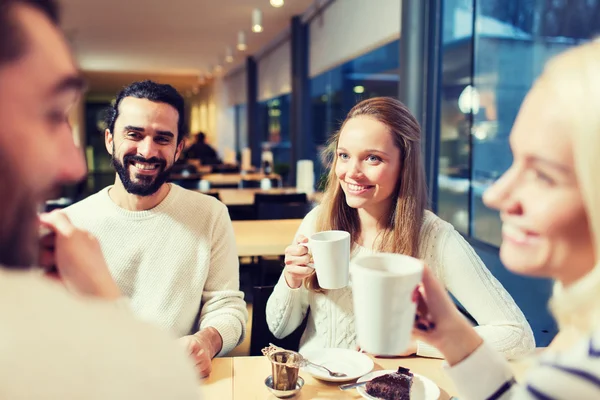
<point>297,263</point>
<point>438,322</point>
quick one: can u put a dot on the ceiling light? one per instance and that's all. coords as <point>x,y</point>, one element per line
<point>257,21</point>
<point>359,89</point>
<point>229,55</point>
<point>277,3</point>
<point>195,90</point>
<point>468,101</point>
<point>218,69</point>
<point>241,45</point>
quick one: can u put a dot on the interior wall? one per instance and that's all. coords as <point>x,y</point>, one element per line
<point>349,28</point>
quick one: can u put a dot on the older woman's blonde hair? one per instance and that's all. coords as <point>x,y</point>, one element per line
<point>573,79</point>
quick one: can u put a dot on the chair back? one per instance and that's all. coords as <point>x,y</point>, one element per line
<point>214,194</point>
<point>260,335</point>
<point>281,205</point>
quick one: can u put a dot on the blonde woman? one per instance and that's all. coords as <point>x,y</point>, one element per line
<point>376,191</point>
<point>550,205</point>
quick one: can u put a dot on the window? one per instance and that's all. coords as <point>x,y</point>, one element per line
<point>336,91</point>
<point>274,127</point>
<point>241,127</point>
<point>492,53</point>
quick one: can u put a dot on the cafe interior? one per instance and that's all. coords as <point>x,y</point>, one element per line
<point>266,82</point>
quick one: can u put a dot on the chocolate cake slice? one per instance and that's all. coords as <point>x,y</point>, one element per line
<point>394,386</point>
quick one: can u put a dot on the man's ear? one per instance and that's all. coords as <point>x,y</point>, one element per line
<point>180,148</point>
<point>108,141</point>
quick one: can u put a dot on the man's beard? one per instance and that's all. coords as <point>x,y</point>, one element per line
<point>18,220</point>
<point>144,185</point>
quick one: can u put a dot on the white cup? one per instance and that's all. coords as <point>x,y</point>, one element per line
<point>265,184</point>
<point>204,185</point>
<point>382,288</point>
<point>331,258</point>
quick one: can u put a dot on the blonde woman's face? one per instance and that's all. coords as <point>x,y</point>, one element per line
<point>545,229</point>
<point>368,163</point>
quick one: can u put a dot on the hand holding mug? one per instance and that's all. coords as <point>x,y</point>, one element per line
<point>297,263</point>
<point>439,323</point>
<point>76,257</point>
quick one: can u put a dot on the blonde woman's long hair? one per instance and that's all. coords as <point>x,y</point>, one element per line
<point>573,78</point>
<point>402,226</point>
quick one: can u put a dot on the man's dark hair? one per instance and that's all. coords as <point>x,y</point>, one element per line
<point>13,42</point>
<point>154,92</point>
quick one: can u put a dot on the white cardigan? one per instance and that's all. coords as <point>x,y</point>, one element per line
<point>453,261</point>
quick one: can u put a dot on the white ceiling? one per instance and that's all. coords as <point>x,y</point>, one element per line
<point>168,36</point>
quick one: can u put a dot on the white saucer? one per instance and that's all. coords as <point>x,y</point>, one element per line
<point>350,362</point>
<point>422,388</point>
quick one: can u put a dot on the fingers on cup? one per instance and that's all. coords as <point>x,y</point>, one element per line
<point>299,270</point>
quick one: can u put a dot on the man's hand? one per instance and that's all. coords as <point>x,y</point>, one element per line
<point>202,348</point>
<point>75,256</point>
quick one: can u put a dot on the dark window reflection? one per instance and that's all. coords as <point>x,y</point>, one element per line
<point>486,73</point>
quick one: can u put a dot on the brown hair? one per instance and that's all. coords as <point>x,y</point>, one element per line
<point>403,223</point>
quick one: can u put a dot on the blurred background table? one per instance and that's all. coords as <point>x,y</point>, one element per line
<point>264,237</point>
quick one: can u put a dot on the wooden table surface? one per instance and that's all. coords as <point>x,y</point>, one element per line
<point>245,197</point>
<point>264,237</point>
<point>235,179</point>
<point>247,376</point>
<point>219,385</point>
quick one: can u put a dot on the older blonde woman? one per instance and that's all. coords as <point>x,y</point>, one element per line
<point>550,206</point>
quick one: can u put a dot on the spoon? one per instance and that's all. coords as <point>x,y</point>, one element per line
<point>331,373</point>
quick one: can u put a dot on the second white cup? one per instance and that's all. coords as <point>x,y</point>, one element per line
<point>331,258</point>
<point>382,289</point>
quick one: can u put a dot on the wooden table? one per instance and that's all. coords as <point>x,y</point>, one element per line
<point>245,197</point>
<point>235,179</point>
<point>264,237</point>
<point>248,375</point>
<point>219,385</point>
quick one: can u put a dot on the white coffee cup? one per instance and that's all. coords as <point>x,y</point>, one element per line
<point>382,289</point>
<point>265,184</point>
<point>331,258</point>
<point>204,185</point>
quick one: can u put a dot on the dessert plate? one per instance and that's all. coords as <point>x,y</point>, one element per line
<point>350,362</point>
<point>422,388</point>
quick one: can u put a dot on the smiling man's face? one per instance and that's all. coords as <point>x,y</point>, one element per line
<point>144,144</point>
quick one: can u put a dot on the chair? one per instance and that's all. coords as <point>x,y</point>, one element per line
<point>249,184</point>
<point>224,185</point>
<point>191,184</point>
<point>260,335</point>
<point>214,194</point>
<point>254,184</point>
<point>225,169</point>
<point>281,205</point>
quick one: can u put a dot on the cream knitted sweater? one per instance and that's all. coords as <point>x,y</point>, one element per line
<point>453,261</point>
<point>55,345</point>
<point>176,262</point>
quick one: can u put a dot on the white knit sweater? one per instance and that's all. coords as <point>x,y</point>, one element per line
<point>55,345</point>
<point>455,264</point>
<point>176,262</point>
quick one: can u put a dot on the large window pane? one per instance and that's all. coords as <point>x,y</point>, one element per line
<point>274,126</point>
<point>455,118</point>
<point>336,91</point>
<point>493,52</point>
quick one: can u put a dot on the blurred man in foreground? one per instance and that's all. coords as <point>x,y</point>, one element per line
<point>69,339</point>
